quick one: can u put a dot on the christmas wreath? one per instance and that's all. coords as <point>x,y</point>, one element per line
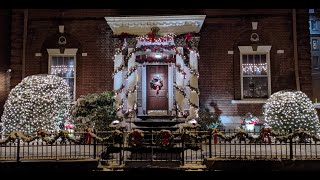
<point>165,139</point>
<point>135,138</point>
<point>156,82</point>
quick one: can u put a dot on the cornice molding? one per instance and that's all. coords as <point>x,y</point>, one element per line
<point>142,25</point>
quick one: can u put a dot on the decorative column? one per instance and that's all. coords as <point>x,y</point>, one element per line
<point>118,77</point>
<point>131,93</point>
<point>194,76</point>
<point>179,85</point>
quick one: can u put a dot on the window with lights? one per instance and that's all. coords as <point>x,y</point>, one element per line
<point>64,65</point>
<point>255,72</point>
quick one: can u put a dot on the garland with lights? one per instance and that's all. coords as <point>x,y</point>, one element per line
<point>153,37</point>
<point>156,48</point>
<point>195,50</point>
<point>182,113</point>
<point>193,88</point>
<point>115,137</point>
<point>131,111</point>
<point>130,55</point>
<point>118,69</point>
<point>191,139</point>
<point>131,90</point>
<point>180,89</point>
<point>118,91</point>
<point>130,71</point>
<point>192,104</point>
<point>152,59</point>
<point>192,71</point>
<point>288,110</point>
<point>182,56</point>
<point>37,102</point>
<point>180,70</point>
<point>121,105</point>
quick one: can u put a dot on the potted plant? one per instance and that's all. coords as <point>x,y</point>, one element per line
<point>249,121</point>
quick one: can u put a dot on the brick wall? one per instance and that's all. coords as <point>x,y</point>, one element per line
<point>4,56</point>
<point>223,31</point>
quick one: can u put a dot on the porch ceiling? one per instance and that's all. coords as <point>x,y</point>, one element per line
<point>142,25</point>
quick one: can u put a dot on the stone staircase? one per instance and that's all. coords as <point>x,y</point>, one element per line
<point>157,123</point>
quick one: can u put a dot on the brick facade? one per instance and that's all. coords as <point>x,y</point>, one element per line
<point>223,31</point>
<point>4,56</point>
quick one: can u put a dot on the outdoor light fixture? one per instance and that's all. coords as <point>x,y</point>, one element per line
<point>61,29</point>
<point>254,25</point>
<point>157,56</point>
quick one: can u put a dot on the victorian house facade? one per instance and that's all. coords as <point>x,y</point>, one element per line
<point>164,62</point>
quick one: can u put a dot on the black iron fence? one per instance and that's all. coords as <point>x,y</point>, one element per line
<point>152,147</point>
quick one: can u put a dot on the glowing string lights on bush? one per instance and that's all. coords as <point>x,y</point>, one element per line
<point>37,102</point>
<point>289,110</point>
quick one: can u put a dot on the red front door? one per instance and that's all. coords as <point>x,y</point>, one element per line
<point>157,87</point>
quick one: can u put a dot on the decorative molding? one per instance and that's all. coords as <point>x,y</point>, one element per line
<point>38,54</point>
<point>194,42</point>
<point>67,51</point>
<point>249,101</point>
<point>132,42</point>
<point>61,29</point>
<point>230,52</point>
<point>254,25</point>
<point>280,51</point>
<point>142,25</point>
<point>116,43</point>
<point>180,42</point>
<point>249,49</point>
<point>84,54</point>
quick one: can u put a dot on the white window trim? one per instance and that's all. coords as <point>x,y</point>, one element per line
<point>244,50</point>
<point>67,52</point>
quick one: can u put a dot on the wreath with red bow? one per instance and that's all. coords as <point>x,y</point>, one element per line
<point>165,139</point>
<point>156,82</point>
<point>135,138</point>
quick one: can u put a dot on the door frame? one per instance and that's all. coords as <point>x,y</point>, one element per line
<point>170,86</point>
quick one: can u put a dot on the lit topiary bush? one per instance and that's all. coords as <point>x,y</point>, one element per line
<point>37,102</point>
<point>289,109</point>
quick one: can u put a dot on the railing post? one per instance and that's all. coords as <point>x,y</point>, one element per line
<point>120,153</point>
<point>18,150</point>
<point>182,154</point>
<point>210,143</point>
<point>94,145</point>
<point>290,145</point>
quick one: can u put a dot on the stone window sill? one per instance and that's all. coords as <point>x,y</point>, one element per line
<point>249,101</point>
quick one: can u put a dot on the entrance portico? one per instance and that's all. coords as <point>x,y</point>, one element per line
<point>156,65</point>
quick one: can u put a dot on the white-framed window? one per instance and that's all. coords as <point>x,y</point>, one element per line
<point>64,65</point>
<point>314,25</point>
<point>255,72</point>
<point>315,63</point>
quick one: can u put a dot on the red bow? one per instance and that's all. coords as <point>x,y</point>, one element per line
<point>69,126</point>
<point>123,36</point>
<point>151,36</point>
<point>188,37</point>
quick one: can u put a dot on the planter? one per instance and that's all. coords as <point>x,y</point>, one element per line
<point>249,127</point>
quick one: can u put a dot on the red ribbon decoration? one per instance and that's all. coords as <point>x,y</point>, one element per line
<point>188,37</point>
<point>215,138</point>
<point>265,133</point>
<point>152,36</point>
<point>123,36</point>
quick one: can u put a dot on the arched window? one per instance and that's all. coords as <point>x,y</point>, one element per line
<point>64,65</point>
